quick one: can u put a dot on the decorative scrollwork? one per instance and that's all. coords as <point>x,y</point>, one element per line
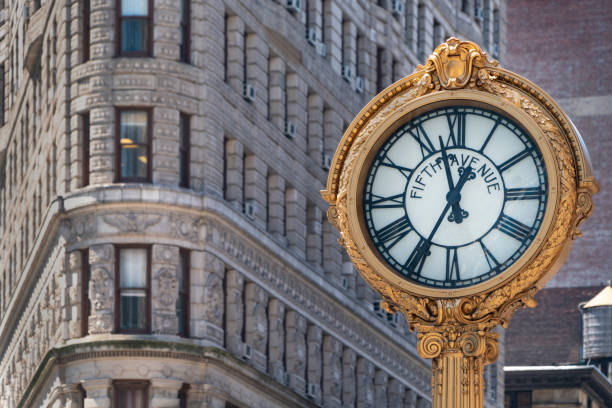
<point>430,345</point>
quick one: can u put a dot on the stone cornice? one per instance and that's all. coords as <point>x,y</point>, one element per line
<point>202,222</point>
<point>150,348</point>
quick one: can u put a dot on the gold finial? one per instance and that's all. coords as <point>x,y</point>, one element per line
<point>454,62</point>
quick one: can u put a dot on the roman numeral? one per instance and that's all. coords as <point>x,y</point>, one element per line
<point>416,260</point>
<point>392,233</point>
<point>513,228</point>
<point>421,137</point>
<point>489,136</point>
<point>457,139</point>
<point>396,201</point>
<point>529,193</point>
<point>493,263</point>
<point>452,265</point>
<point>514,159</point>
<point>386,161</point>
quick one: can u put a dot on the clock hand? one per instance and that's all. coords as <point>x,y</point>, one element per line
<point>458,214</point>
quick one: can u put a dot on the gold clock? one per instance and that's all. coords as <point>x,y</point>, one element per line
<point>458,192</point>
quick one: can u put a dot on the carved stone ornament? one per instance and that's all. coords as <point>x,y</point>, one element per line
<point>454,325</point>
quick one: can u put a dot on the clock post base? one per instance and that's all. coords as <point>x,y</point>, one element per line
<point>458,365</point>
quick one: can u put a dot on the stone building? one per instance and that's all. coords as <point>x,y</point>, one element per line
<point>163,240</point>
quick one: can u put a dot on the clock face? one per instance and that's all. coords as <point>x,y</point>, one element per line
<point>455,196</point>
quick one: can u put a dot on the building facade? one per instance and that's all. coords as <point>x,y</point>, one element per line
<point>163,240</point>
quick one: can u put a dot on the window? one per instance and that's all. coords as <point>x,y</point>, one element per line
<point>184,128</point>
<point>517,399</point>
<point>379,68</point>
<point>182,396</point>
<point>85,146</point>
<point>132,297</point>
<point>130,393</point>
<point>85,304</point>
<point>86,29</point>
<point>182,303</point>
<point>134,37</point>
<point>133,145</point>
<point>184,40</point>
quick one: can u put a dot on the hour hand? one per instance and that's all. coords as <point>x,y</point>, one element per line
<point>454,196</point>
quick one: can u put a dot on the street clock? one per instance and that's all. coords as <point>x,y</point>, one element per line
<point>458,191</point>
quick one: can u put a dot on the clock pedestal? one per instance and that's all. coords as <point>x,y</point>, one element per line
<point>458,365</point>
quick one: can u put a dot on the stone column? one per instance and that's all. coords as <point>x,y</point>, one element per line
<point>332,372</point>
<point>70,396</point>
<point>163,393</point>
<point>349,43</point>
<point>315,18</point>
<point>297,104</point>
<point>276,347</point>
<point>101,145</point>
<point>314,363</point>
<point>164,289</point>
<point>365,383</point>
<point>196,396</point>
<point>425,34</point>
<point>73,309</point>
<point>295,354</point>
<point>257,53</point>
<point>332,257</point>
<point>166,30</point>
<point>256,324</point>
<point>234,316</point>
<point>255,181</point>
<point>295,224</point>
<point>314,216</point>
<point>278,96</point>
<point>315,128</point>
<point>410,398</point>
<point>332,128</point>
<point>235,53</point>
<point>380,388</point>
<point>207,297</point>
<point>333,34</point>
<point>102,34</point>
<point>102,288</point>
<point>349,382</point>
<point>395,393</point>
<point>411,7</point>
<point>234,162</point>
<point>98,393</point>
<point>276,206</point>
<point>165,166</point>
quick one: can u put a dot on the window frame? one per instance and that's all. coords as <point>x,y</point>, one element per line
<point>117,329</point>
<point>130,385</point>
<point>185,259</point>
<point>184,149</point>
<point>118,111</point>
<point>85,125</point>
<point>85,305</point>
<point>185,27</point>
<point>119,32</point>
<point>86,9</point>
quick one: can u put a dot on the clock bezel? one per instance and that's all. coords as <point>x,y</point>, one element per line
<point>402,114</point>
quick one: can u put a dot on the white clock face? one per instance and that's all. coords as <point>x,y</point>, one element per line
<point>455,196</point>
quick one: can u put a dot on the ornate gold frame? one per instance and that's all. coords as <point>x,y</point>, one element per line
<point>459,321</point>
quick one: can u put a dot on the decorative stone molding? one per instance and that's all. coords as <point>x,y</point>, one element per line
<point>256,324</point>
<point>101,288</point>
<point>164,288</point>
<point>295,329</point>
<point>332,372</point>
